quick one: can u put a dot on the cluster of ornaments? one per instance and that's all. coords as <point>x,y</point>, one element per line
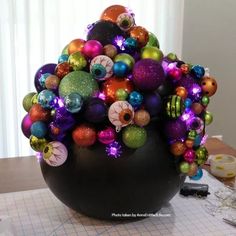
<point>107,88</point>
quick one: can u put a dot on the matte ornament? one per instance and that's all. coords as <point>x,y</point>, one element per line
<point>107,135</point>
<point>141,118</point>
<point>55,153</point>
<point>193,168</point>
<point>175,129</point>
<point>134,136</point>
<point>153,103</point>
<point>79,82</point>
<point>37,144</point>
<point>208,117</point>
<point>27,101</point>
<point>110,50</point>
<point>197,108</point>
<point>52,82</point>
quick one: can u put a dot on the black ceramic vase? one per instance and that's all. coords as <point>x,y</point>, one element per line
<point>138,182</point>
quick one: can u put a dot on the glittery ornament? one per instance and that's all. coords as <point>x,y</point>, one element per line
<point>76,45</point>
<point>38,113</point>
<point>178,148</point>
<point>141,118</point>
<point>135,99</point>
<point>201,155</point>
<point>37,144</point>
<point>189,155</point>
<point>110,50</point>
<point>52,82</point>
<point>107,135</point>
<point>175,129</point>
<point>111,13</point>
<point>140,34</point>
<point>152,40</point>
<point>193,167</point>
<point>73,102</point>
<point>77,61</point>
<point>198,175</point>
<point>46,99</point>
<point>121,95</point>
<point>38,129</point>
<point>62,69</point>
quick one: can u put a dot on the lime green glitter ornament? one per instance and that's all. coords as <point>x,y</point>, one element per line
<point>152,40</point>
<point>79,82</point>
<point>37,144</point>
<point>77,61</point>
<point>201,155</point>
<point>27,101</point>
<point>121,95</point>
<point>134,136</point>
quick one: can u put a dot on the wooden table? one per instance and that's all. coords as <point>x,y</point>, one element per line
<point>23,173</point>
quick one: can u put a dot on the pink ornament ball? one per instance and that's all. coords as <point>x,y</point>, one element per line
<point>107,135</point>
<point>92,48</point>
<point>189,155</point>
<point>26,125</point>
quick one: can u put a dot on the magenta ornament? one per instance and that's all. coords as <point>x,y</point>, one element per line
<point>92,48</point>
<point>189,155</point>
<point>26,125</point>
<point>107,135</point>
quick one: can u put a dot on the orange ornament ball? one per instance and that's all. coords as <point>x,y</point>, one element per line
<point>62,69</point>
<point>111,85</point>
<point>84,135</point>
<point>141,118</point>
<point>184,68</point>
<point>76,45</point>
<point>181,92</point>
<point>178,148</point>
<point>209,86</point>
<point>189,143</point>
<point>111,13</point>
<point>38,113</point>
<point>140,34</point>
<point>197,108</point>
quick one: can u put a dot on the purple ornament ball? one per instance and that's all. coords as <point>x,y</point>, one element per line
<point>26,125</point>
<point>148,74</point>
<point>175,129</point>
<point>186,81</point>
<point>152,103</point>
<point>107,135</point>
<point>95,110</point>
<point>48,68</point>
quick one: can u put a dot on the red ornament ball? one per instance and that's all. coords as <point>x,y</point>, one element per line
<point>62,69</point>
<point>38,113</point>
<point>84,135</point>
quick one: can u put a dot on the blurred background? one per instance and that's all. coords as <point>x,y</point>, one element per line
<point>34,32</point>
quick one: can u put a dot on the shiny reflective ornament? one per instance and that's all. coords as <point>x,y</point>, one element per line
<point>130,44</point>
<point>192,134</point>
<point>197,140</point>
<point>152,40</point>
<point>201,155</point>
<point>184,167</point>
<point>184,68</point>
<point>121,95</point>
<point>39,129</point>
<point>55,153</point>
<point>26,125</point>
<point>63,69</point>
<point>107,136</point>
<point>114,150</point>
<point>126,58</point>
<point>111,85</point>
<point>140,34</point>
<point>187,103</point>
<point>34,99</point>
<point>101,67</point>
<point>65,50</point>
<point>112,13</point>
<point>73,102</point>
<point>38,113</point>
<point>175,73</point>
<point>196,123</point>
<point>63,58</point>
<point>79,82</point>
<point>152,53</point>
<point>76,45</point>
<point>84,135</point>
<point>197,108</point>
<point>172,56</point>
<point>37,144</point>
<point>42,79</point>
<point>174,106</point>
<point>52,82</point>
<point>198,174</point>
<point>125,21</point>
<point>120,114</point>
<point>120,69</point>
<point>193,168</point>
<point>209,86</point>
<point>110,50</point>
<point>178,148</point>
<point>135,99</point>
<point>208,118</point>
<point>46,99</point>
<point>27,101</point>
<point>198,71</point>
<point>181,92</point>
<point>189,155</point>
<point>77,61</point>
<point>141,118</point>
<point>92,48</point>
<point>205,100</point>
<point>189,143</point>
<point>134,136</point>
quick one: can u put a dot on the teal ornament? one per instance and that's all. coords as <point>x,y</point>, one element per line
<point>98,71</point>
<point>187,103</point>
<point>73,102</point>
<point>198,71</point>
<point>197,140</point>
<point>120,69</point>
<point>130,44</point>
<point>198,175</point>
<point>43,78</point>
<point>135,99</point>
<point>63,58</point>
<point>47,99</point>
<point>38,129</point>
<point>80,82</point>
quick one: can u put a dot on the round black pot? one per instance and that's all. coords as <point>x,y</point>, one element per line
<point>139,182</point>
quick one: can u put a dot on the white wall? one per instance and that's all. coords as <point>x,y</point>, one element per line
<point>209,38</point>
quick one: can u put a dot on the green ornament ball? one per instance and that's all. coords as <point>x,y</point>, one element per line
<point>192,134</point>
<point>37,144</point>
<point>79,82</point>
<point>27,101</point>
<point>34,99</point>
<point>208,117</point>
<point>121,95</point>
<point>205,100</point>
<point>184,167</point>
<point>77,61</point>
<point>172,56</point>
<point>134,136</point>
<point>152,40</point>
<point>149,52</point>
<point>201,155</point>
<point>126,58</point>
<point>65,50</point>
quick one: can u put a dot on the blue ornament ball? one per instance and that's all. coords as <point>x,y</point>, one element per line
<point>198,175</point>
<point>198,71</point>
<point>187,103</point>
<point>46,99</point>
<point>197,140</point>
<point>38,129</point>
<point>135,99</point>
<point>42,79</point>
<point>63,58</point>
<point>73,102</point>
<point>120,69</point>
<point>130,44</point>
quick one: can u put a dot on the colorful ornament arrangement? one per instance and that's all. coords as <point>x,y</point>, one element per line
<point>107,88</point>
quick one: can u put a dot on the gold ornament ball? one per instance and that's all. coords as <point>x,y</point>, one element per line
<point>141,118</point>
<point>52,82</point>
<point>178,148</point>
<point>151,53</point>
<point>37,144</point>
<point>110,50</point>
<point>77,61</point>
<point>193,167</point>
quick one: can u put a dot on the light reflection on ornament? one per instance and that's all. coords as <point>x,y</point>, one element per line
<point>188,114</point>
<point>39,156</point>
<point>114,149</point>
<point>204,139</point>
<point>101,96</point>
<point>196,89</point>
<point>58,103</point>
<point>119,41</point>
